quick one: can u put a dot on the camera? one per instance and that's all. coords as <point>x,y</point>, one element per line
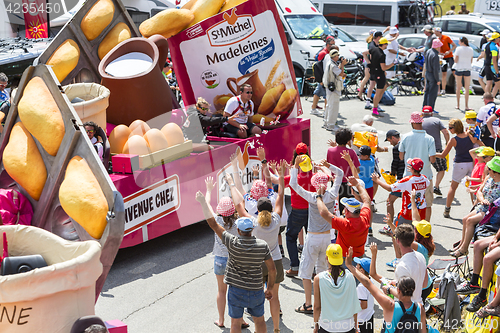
<point>349,62</point>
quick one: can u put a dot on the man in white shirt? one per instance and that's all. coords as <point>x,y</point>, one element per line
<point>243,106</point>
<point>411,264</point>
<point>392,50</point>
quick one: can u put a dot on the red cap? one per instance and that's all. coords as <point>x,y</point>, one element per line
<point>301,148</point>
<point>427,109</point>
<point>416,163</point>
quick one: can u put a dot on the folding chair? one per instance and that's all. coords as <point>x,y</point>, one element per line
<point>459,265</point>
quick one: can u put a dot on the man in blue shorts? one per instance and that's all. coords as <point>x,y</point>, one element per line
<point>244,270</point>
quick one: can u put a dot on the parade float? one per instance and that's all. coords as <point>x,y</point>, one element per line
<point>101,67</point>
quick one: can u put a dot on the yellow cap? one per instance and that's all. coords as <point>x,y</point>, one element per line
<point>423,227</point>
<point>334,254</point>
<point>306,165</point>
<point>487,151</point>
<point>494,36</point>
<point>383,40</point>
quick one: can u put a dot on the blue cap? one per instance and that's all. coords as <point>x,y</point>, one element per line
<point>351,204</point>
<point>364,262</point>
<point>244,224</point>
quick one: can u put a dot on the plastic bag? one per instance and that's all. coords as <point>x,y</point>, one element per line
<point>369,139</point>
<point>389,179</point>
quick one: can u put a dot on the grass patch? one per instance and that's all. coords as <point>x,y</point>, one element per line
<point>446,4</point>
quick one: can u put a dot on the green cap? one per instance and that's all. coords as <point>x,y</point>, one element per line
<point>494,164</point>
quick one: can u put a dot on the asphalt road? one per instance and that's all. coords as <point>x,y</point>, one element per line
<point>168,284</point>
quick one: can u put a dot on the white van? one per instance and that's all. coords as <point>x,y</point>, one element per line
<point>304,25</point>
<point>358,17</point>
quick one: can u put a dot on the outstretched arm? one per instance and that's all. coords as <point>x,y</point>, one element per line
<point>373,265</point>
<point>236,173</point>
<point>376,179</point>
<point>238,200</point>
<point>323,210</point>
<point>414,210</point>
<point>278,207</point>
<point>361,190</point>
<point>345,155</point>
<point>261,153</point>
<point>210,184</point>
<point>208,214</point>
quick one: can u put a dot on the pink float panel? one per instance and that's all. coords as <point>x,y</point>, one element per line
<point>162,199</point>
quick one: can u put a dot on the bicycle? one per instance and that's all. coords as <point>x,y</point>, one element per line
<point>423,12</point>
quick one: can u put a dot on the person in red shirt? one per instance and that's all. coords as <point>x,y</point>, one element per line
<point>417,182</point>
<point>300,208</point>
<point>353,229</point>
<point>447,52</point>
<point>334,156</point>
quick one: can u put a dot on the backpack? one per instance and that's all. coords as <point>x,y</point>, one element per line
<point>408,322</point>
<point>388,98</point>
<point>318,71</point>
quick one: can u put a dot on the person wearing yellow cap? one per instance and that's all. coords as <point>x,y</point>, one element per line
<point>377,72</point>
<point>491,58</point>
<point>335,297</point>
<point>483,155</point>
<point>471,121</point>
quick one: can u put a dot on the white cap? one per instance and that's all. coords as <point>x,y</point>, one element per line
<point>393,30</point>
<point>485,32</point>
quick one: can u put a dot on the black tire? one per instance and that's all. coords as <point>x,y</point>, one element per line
<point>438,11</point>
<point>413,15</point>
<point>299,72</point>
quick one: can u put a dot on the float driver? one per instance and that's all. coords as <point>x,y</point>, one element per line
<point>241,105</point>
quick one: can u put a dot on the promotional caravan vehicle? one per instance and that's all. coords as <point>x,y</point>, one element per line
<point>159,188</point>
<point>358,17</point>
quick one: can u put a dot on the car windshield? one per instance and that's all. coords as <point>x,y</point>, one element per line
<point>494,25</point>
<point>344,36</point>
<point>308,26</point>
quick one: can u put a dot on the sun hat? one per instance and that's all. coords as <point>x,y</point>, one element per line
<point>301,148</point>
<point>494,164</point>
<point>225,207</point>
<point>306,164</point>
<point>470,115</point>
<point>494,36</point>
<point>244,224</point>
<point>351,204</point>
<point>365,150</point>
<point>416,118</point>
<point>393,30</point>
<point>427,109</point>
<point>319,178</point>
<point>383,41</point>
<point>438,29</point>
<point>427,27</point>
<point>333,53</point>
<point>416,163</point>
<point>264,204</point>
<point>436,43</point>
<point>364,262</point>
<point>360,182</point>
<point>423,227</point>
<point>259,189</point>
<point>334,254</point>
<point>486,151</point>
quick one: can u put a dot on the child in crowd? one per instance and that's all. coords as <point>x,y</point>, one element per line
<point>470,120</point>
<point>366,169</point>
<point>481,156</point>
<point>365,316</point>
<point>416,182</point>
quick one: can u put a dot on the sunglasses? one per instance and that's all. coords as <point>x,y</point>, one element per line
<point>249,92</point>
<point>3,84</point>
<point>451,127</point>
<point>204,109</point>
<point>90,131</point>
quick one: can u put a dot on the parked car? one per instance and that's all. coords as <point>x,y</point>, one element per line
<point>418,40</point>
<point>352,43</point>
<point>469,26</point>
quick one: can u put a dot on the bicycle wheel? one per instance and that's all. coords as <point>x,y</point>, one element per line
<point>413,15</point>
<point>438,11</point>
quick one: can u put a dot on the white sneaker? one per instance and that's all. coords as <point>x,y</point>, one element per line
<point>442,93</point>
<point>315,111</point>
<point>331,128</point>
